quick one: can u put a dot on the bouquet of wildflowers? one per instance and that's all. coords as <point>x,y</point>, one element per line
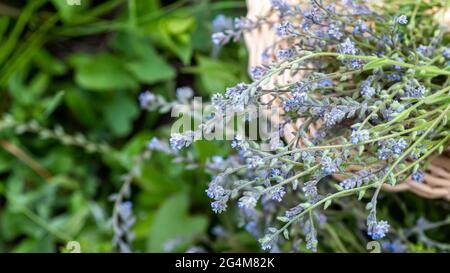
<point>374,86</point>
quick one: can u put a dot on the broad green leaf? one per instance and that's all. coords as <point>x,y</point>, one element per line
<point>151,68</point>
<point>431,71</point>
<point>215,75</point>
<point>39,84</point>
<point>157,180</point>
<point>174,33</point>
<point>172,221</point>
<point>435,99</point>
<point>4,22</point>
<point>142,60</point>
<point>81,105</point>
<point>42,244</point>
<point>147,7</point>
<point>133,148</point>
<point>375,64</point>
<point>206,149</point>
<point>119,112</point>
<point>48,63</point>
<point>103,72</point>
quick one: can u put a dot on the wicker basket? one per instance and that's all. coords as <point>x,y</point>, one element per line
<point>437,179</point>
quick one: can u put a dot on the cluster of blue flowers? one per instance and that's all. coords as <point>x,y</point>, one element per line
<point>219,194</point>
<point>146,99</point>
<point>378,230</point>
<point>391,147</point>
<point>414,90</point>
<point>362,85</point>
<point>362,177</point>
<point>179,141</point>
<point>402,20</point>
<point>359,136</point>
<point>329,166</point>
<point>418,176</point>
<point>367,90</point>
<point>123,236</point>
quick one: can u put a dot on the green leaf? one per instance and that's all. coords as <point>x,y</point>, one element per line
<point>201,37</point>
<point>433,100</point>
<point>286,234</point>
<point>206,149</point>
<point>179,25</point>
<point>81,105</point>
<point>150,67</point>
<point>103,72</point>
<point>361,150</point>
<point>283,219</point>
<point>161,178</point>
<point>361,194</point>
<point>440,149</point>
<point>119,113</point>
<point>375,64</point>
<point>142,59</point>
<point>48,63</point>
<point>133,147</point>
<point>338,187</point>
<point>148,7</point>
<point>39,83</point>
<point>430,71</point>
<point>174,33</point>
<point>214,75</point>
<point>392,179</point>
<point>172,221</point>
<point>53,103</point>
<point>400,116</point>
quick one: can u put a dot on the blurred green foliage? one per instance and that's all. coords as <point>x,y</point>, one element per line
<point>74,72</point>
<point>71,126</point>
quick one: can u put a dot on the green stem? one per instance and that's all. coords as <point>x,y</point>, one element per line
<point>323,201</point>
<point>327,147</point>
<point>291,179</point>
<point>424,156</point>
<point>417,142</point>
<point>366,58</point>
